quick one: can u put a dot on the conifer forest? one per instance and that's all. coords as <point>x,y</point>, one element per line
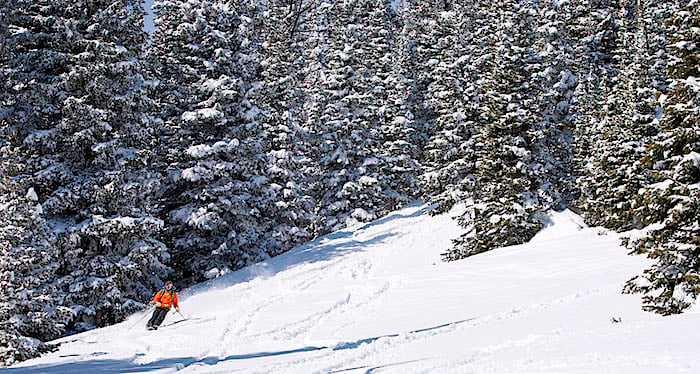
<point>237,130</point>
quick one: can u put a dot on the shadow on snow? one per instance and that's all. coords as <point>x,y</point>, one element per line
<point>324,248</point>
<point>128,366</point>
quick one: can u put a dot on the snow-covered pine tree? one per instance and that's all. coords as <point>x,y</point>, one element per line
<point>281,100</point>
<point>317,53</point>
<point>506,208</point>
<point>592,31</point>
<point>111,259</point>
<point>401,138</point>
<point>446,56</point>
<point>204,54</point>
<point>4,56</point>
<point>31,63</point>
<point>588,32</point>
<point>27,265</point>
<point>407,129</point>
<point>346,117</point>
<point>409,119</point>
<point>75,146</point>
<point>671,205</point>
<point>554,81</point>
<point>625,119</point>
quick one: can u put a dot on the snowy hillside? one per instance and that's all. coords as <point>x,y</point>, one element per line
<point>377,299</point>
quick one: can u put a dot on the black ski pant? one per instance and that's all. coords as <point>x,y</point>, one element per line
<point>157,317</point>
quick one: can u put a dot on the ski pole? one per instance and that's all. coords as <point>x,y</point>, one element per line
<point>142,318</point>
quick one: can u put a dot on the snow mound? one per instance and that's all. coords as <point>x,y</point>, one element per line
<point>559,224</point>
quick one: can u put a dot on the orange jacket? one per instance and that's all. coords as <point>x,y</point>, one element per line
<point>166,298</point>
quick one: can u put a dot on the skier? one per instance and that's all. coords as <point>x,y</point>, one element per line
<point>164,299</point>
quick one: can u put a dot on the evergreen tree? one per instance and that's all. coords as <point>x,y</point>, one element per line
<point>401,138</point>
<point>671,205</point>
<point>624,121</point>
<point>349,111</point>
<point>33,65</point>
<point>281,99</point>
<point>30,65</point>
<point>409,122</point>
<point>446,56</point>
<point>501,143</point>
<point>505,206</point>
<point>111,260</point>
<point>204,55</point>
<point>28,265</point>
<point>553,78</point>
<point>4,56</point>
<point>589,30</point>
<point>75,147</point>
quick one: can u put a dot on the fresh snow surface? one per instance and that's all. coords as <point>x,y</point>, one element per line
<point>377,299</point>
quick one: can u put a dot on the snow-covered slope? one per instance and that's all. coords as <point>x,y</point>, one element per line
<point>377,299</point>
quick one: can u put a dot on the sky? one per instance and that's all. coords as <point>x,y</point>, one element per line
<point>148,26</point>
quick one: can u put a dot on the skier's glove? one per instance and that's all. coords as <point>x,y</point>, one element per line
<point>158,304</point>
<point>177,310</point>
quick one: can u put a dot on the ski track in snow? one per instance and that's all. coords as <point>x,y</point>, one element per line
<point>377,299</point>
<point>384,343</point>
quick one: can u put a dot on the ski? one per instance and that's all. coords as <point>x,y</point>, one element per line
<point>194,320</point>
